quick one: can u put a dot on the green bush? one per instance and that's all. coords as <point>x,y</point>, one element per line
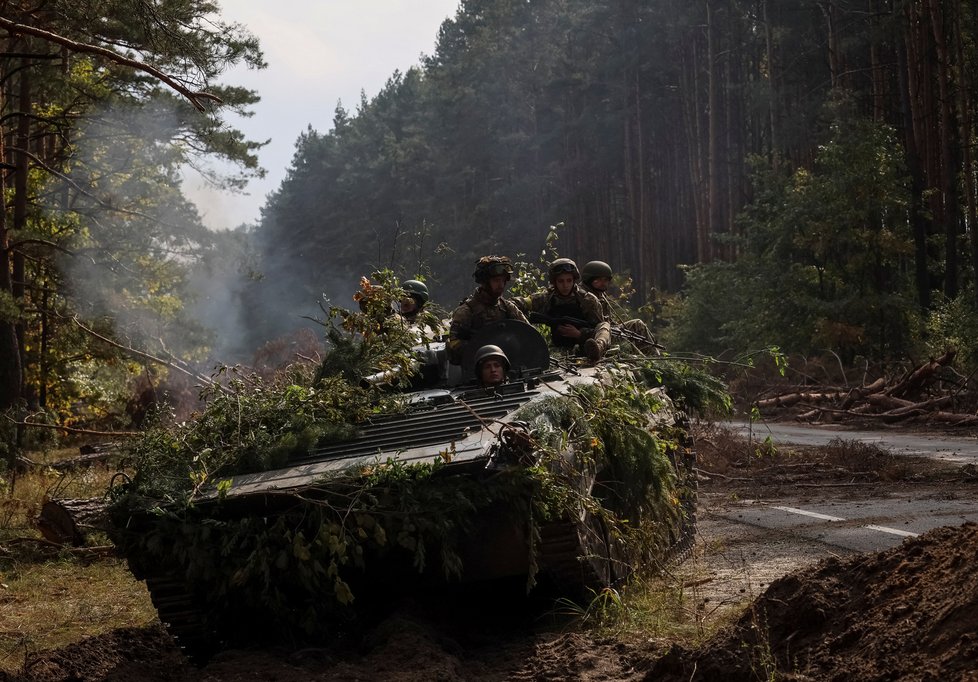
<point>823,259</point>
<point>954,324</point>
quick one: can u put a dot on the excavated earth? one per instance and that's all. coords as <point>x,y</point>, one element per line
<point>805,613</point>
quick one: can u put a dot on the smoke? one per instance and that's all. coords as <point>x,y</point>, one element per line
<point>143,268</point>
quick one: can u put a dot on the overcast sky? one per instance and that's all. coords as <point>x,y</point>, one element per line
<point>318,53</point>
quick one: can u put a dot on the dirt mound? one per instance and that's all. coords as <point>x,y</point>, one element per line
<point>124,654</point>
<point>909,613</point>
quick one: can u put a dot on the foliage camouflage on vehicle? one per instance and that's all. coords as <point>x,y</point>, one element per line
<point>310,547</point>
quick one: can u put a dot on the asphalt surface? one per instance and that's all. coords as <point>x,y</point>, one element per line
<point>956,450</point>
<point>856,523</point>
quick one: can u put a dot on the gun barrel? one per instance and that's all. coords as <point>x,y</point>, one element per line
<point>540,318</point>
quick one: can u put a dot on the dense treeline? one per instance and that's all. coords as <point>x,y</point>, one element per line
<point>101,104</point>
<point>664,134</point>
<point>802,171</point>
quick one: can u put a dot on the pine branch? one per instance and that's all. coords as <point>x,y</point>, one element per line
<point>196,98</point>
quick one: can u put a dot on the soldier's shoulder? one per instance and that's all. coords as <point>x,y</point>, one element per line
<point>509,303</point>
<point>463,311</point>
<point>513,310</point>
<point>586,295</point>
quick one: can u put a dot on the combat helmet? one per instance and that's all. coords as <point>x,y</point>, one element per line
<point>490,351</point>
<point>417,290</point>
<point>594,269</point>
<point>490,266</point>
<point>562,265</point>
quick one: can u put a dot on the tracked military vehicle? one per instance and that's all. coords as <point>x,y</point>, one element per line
<point>220,587</point>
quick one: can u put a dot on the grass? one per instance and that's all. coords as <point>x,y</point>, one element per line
<point>48,604</point>
<point>52,596</point>
<point>669,606</point>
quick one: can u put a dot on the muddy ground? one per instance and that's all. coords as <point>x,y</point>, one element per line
<point>805,612</point>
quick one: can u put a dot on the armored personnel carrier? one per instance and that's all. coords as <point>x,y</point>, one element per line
<point>531,478</point>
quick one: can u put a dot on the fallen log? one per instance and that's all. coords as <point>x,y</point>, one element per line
<point>861,392</point>
<point>916,379</point>
<point>68,522</point>
<point>790,399</point>
<point>955,418</point>
<point>925,406</point>
<point>101,457</point>
<point>888,402</point>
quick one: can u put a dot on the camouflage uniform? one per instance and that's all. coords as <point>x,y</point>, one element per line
<point>579,304</point>
<point>473,314</point>
<point>637,331</point>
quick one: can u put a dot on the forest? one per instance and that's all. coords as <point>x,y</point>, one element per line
<point>797,174</point>
<point>802,171</point>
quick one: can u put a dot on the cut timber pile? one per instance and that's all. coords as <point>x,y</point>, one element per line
<point>928,393</point>
<point>68,522</point>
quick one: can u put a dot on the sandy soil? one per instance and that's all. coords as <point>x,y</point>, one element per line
<point>904,614</point>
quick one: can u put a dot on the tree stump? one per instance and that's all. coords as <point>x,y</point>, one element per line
<point>68,522</point>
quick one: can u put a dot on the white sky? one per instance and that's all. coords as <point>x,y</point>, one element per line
<point>319,52</point>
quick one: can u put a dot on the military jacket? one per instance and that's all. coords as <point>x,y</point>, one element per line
<point>474,313</point>
<point>602,297</point>
<point>579,304</point>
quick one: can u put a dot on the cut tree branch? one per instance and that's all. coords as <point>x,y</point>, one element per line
<point>196,98</point>
<point>70,429</point>
<point>143,355</point>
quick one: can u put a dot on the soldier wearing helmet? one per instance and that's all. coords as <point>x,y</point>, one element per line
<point>491,366</point>
<point>596,278</point>
<point>564,298</point>
<point>415,298</point>
<point>485,305</point>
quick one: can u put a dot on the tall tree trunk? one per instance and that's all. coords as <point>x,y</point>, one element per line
<point>908,82</point>
<point>835,70</point>
<point>878,77</point>
<point>21,188</point>
<point>948,149</point>
<point>694,143</point>
<point>713,127</point>
<point>735,125</point>
<point>772,66</point>
<point>11,376</point>
<point>969,186</point>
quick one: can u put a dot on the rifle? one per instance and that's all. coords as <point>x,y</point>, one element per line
<point>540,318</point>
<point>616,329</point>
<point>636,338</point>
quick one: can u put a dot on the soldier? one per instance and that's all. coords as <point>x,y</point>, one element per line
<point>491,366</point>
<point>485,305</point>
<point>596,278</point>
<point>414,301</point>
<point>573,314</point>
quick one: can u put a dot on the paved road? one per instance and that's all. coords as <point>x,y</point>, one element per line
<point>859,524</point>
<point>958,449</point>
